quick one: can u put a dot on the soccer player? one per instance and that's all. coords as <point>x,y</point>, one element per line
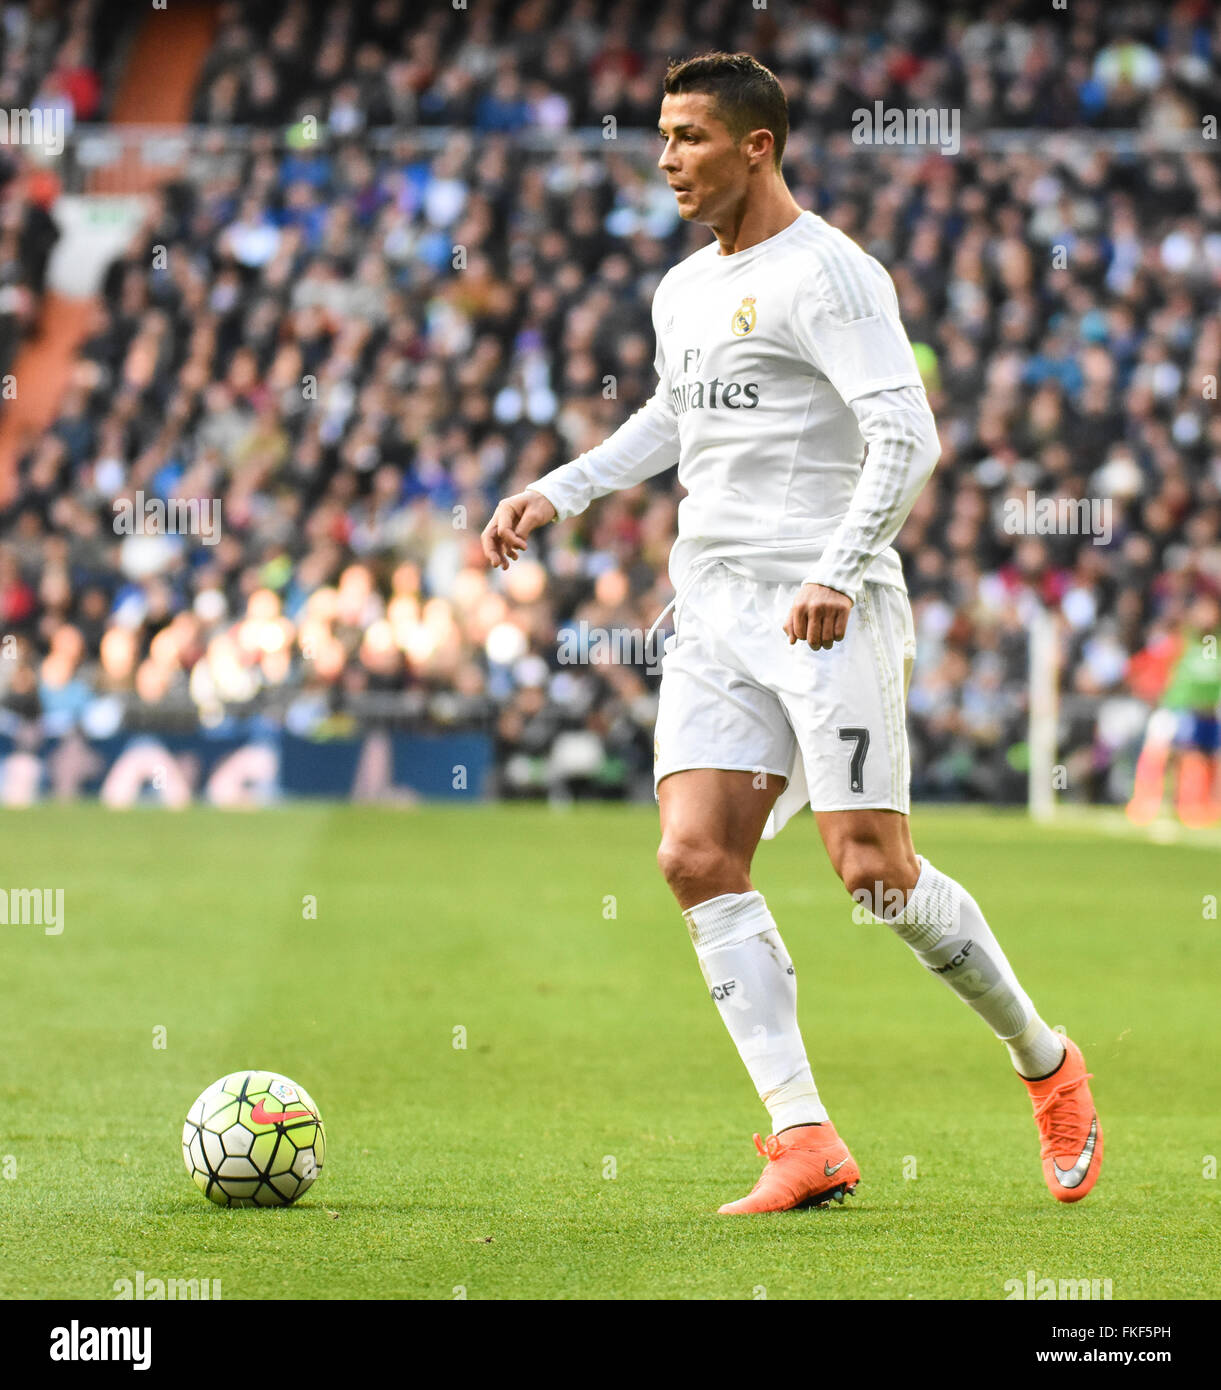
<point>789,397</point>
<point>1184,726</point>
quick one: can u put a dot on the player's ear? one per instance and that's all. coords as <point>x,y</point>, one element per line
<point>759,146</point>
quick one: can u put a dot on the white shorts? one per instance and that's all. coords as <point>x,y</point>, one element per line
<point>736,695</point>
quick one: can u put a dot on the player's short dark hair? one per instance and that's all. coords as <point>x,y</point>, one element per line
<point>747,95</point>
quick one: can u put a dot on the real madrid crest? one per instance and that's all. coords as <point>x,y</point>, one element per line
<point>743,317</point>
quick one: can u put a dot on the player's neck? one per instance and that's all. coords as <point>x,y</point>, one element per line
<point>759,219</point>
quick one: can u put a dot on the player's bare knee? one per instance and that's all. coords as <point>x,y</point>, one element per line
<point>685,861</point>
<point>869,869</point>
<point>695,869</point>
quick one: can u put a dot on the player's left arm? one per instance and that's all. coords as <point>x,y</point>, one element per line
<point>902,451</point>
<point>850,329</point>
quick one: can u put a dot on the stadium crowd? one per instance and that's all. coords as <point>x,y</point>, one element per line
<point>355,346</point>
<point>46,63</point>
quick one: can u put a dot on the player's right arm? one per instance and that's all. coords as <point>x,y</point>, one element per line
<point>644,445</point>
<point>504,537</point>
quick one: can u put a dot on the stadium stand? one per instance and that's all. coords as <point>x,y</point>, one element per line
<point>310,352</point>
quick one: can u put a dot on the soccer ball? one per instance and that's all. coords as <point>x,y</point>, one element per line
<point>253,1139</point>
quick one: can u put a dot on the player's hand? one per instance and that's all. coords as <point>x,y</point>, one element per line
<point>504,537</point>
<point>819,617</point>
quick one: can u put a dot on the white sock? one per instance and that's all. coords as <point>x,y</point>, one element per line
<point>943,925</point>
<point>1037,1051</point>
<point>753,984</point>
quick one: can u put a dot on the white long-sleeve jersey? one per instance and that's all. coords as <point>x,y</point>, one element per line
<point>789,397</point>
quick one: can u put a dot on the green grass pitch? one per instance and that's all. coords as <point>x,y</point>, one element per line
<point>579,1143</point>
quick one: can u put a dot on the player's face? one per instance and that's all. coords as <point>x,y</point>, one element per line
<point>702,162</point>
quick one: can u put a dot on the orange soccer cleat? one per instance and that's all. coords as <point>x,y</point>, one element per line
<point>1150,786</point>
<point>1068,1127</point>
<point>807,1166</point>
<point>1194,794</point>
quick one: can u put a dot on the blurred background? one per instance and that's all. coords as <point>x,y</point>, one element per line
<point>348,273</point>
